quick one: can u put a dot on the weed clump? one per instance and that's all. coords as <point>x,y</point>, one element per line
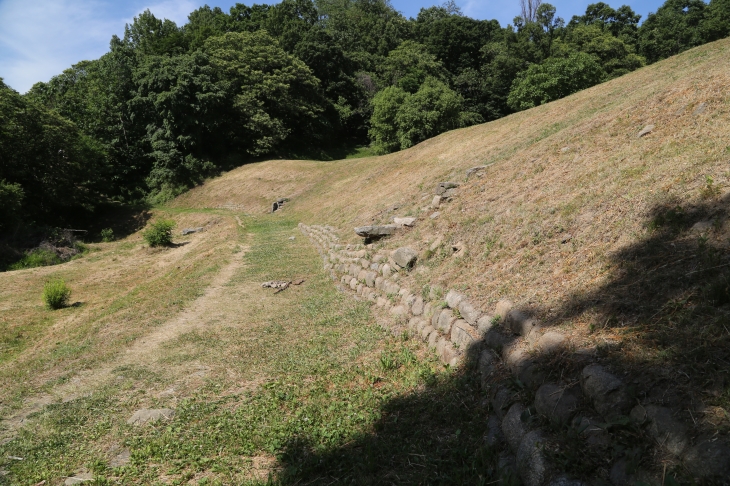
<point>56,294</point>
<point>107,235</point>
<point>38,257</point>
<point>159,233</point>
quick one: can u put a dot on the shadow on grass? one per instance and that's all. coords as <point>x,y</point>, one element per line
<point>667,304</point>
<point>434,436</point>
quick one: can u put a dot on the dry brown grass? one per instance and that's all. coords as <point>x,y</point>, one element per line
<point>564,215</point>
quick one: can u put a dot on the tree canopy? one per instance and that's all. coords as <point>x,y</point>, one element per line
<point>169,105</point>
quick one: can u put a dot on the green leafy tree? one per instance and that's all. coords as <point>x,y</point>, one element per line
<point>408,66</point>
<point>675,27</point>
<point>274,97</point>
<point>614,55</point>
<point>11,200</point>
<point>433,109</point>
<point>371,26</point>
<point>149,35</point>
<point>554,79</point>
<point>716,22</point>
<point>180,100</point>
<point>401,119</point>
<point>454,39</point>
<point>46,162</point>
<point>383,128</point>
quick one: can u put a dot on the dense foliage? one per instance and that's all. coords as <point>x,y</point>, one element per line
<point>169,105</point>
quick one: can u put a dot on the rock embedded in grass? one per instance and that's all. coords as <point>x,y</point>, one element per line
<point>405,257</point>
<point>404,221</point>
<point>606,391</point>
<point>557,403</point>
<point>532,465</point>
<point>645,131</point>
<point>442,187</point>
<point>513,427</point>
<point>150,415</point>
<point>376,231</point>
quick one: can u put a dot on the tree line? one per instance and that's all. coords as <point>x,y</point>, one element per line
<point>169,105</point>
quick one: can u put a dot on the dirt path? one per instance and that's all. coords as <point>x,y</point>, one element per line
<point>144,352</point>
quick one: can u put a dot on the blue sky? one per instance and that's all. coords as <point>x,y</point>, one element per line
<point>41,38</point>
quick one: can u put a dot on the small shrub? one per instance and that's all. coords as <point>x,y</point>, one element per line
<point>159,233</point>
<point>39,257</point>
<point>710,190</point>
<point>107,235</point>
<point>56,294</point>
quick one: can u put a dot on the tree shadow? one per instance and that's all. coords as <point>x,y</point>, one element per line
<point>668,298</point>
<point>437,435</point>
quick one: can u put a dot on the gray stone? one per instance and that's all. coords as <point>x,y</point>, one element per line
<point>353,283</point>
<point>364,263</point>
<point>495,340</point>
<point>494,435</point>
<point>121,458</point>
<point>484,324</point>
<point>502,309</point>
<point>436,244</point>
<point>417,307</point>
<point>461,335</point>
<point>487,361</point>
<point>513,428</point>
<point>408,299</point>
<point>468,312</point>
<point>427,310</point>
<point>379,283</point>
<point>433,339</point>
<point>645,131</point>
<point>361,275</point>
<point>422,323</point>
<point>532,466</point>
<point>453,299</point>
<point>476,170</point>
<point>381,302</point>
<point>442,187</point>
<point>385,270</point>
<point>188,231</point>
<point>701,227</point>
<point>550,342</point>
<point>426,332</point>
<point>501,401</point>
<point>370,278</point>
<point>399,311</point>
<point>605,390</point>
<point>436,202</point>
<point>520,323</point>
<point>669,433</point>
<point>449,355</point>
<point>449,193</point>
<point>556,403</point>
<point>405,257</point>
<point>446,319</point>
<point>376,231</point>
<point>435,215</point>
<point>404,221</point>
<point>435,291</point>
<point>79,478</point>
<point>150,415</point>
<point>709,459</point>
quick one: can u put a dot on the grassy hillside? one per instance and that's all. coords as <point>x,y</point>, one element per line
<point>576,219</point>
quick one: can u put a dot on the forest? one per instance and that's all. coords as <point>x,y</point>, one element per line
<point>168,105</point>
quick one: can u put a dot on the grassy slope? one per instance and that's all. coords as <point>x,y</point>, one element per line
<point>572,171</point>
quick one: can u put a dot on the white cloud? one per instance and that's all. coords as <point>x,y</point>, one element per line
<point>41,39</point>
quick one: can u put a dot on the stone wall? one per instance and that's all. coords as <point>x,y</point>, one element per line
<point>506,340</point>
